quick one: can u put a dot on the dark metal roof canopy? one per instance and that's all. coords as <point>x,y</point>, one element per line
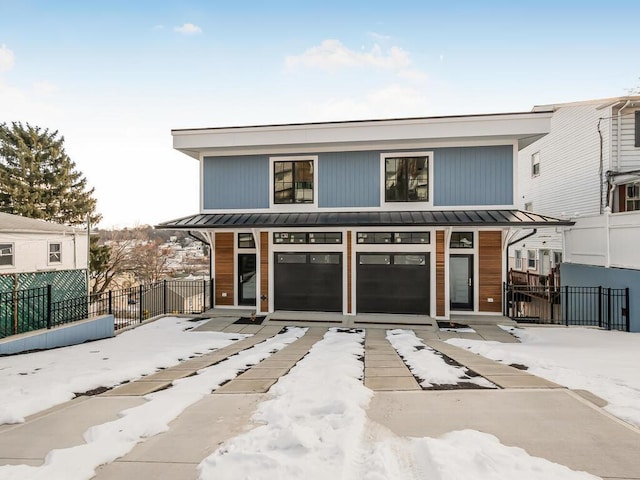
<point>437,218</point>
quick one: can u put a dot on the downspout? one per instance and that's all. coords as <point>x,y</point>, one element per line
<point>506,251</point>
<point>618,142</point>
<point>601,169</point>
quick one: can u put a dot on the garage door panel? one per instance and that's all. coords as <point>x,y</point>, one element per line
<point>315,285</point>
<point>393,288</point>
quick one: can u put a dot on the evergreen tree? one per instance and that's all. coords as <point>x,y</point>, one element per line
<point>39,180</point>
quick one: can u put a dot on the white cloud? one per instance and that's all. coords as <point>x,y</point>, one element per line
<point>379,36</point>
<point>6,58</point>
<point>332,54</point>
<point>188,29</point>
<point>44,87</point>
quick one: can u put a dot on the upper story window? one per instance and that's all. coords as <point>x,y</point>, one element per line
<point>531,259</point>
<point>528,207</point>
<point>637,144</point>
<point>535,164</point>
<point>406,179</point>
<point>6,254</point>
<point>55,252</point>
<point>293,181</point>
<point>518,259</point>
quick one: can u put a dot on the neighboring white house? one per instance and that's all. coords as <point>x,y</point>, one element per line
<point>586,169</point>
<point>35,252</point>
<point>577,171</point>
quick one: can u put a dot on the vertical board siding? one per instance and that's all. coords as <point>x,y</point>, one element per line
<point>440,263</point>
<point>490,275</point>
<point>349,179</point>
<point>473,176</point>
<point>349,274</point>
<point>264,271</point>
<point>236,182</point>
<point>224,268</point>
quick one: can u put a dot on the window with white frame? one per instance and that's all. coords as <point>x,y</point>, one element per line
<point>528,207</point>
<point>535,164</point>
<point>55,252</point>
<point>531,259</point>
<point>517,255</point>
<point>406,178</point>
<point>632,197</point>
<point>293,181</point>
<point>6,254</point>
<point>557,258</point>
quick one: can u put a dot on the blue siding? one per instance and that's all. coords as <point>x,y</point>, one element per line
<point>349,179</point>
<point>473,176</point>
<point>236,182</point>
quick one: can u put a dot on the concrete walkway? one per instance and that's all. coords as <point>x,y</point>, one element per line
<point>544,418</point>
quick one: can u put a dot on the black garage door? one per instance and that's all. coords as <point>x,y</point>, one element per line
<point>308,281</point>
<point>393,283</point>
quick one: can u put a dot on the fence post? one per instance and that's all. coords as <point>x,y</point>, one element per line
<point>609,308</point>
<point>204,295</point>
<point>164,296</point>
<point>626,309</point>
<point>566,305</point>
<point>552,299</point>
<point>140,303</point>
<point>600,306</point>
<point>110,302</point>
<point>49,307</point>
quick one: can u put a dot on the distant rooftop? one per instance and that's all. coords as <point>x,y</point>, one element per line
<point>16,223</point>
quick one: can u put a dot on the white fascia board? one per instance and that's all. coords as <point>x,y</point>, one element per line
<point>338,135</point>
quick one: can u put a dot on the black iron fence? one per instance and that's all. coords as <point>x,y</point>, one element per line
<point>33,309</point>
<point>588,306</point>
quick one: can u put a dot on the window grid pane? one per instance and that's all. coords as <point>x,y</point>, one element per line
<point>406,179</point>
<point>6,254</point>
<point>293,182</point>
<point>461,240</point>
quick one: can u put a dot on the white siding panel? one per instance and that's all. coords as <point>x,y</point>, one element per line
<point>630,154</point>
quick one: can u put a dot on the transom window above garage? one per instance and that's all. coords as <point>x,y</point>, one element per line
<point>394,237</point>
<point>308,237</point>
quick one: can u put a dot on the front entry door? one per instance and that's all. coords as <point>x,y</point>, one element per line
<point>461,282</point>
<point>247,279</point>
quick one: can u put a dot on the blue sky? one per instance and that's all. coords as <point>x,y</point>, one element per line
<point>115,77</point>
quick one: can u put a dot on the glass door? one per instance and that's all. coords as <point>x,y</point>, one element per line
<point>247,279</point>
<point>461,282</point>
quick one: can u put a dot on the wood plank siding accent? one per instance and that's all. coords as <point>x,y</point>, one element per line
<point>264,271</point>
<point>349,274</point>
<point>440,263</point>
<point>224,268</point>
<point>490,274</point>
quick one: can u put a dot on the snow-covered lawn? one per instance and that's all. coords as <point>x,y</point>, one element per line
<point>603,362</point>
<point>33,382</point>
<point>111,440</point>
<point>428,365</point>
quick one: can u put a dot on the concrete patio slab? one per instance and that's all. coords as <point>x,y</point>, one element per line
<point>391,362</point>
<point>554,424</point>
<point>62,427</point>
<point>387,372</point>
<point>273,363</point>
<point>150,470</point>
<point>166,375</point>
<point>260,373</point>
<point>136,389</point>
<point>521,381</point>
<point>497,369</point>
<point>391,383</point>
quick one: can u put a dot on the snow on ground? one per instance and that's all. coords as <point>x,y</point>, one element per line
<point>603,362</point>
<point>315,427</point>
<point>428,365</point>
<point>111,440</point>
<point>33,382</point>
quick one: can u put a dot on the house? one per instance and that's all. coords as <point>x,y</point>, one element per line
<point>402,216</point>
<point>35,253</point>
<point>588,169</point>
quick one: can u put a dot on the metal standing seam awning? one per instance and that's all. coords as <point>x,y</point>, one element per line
<point>431,218</point>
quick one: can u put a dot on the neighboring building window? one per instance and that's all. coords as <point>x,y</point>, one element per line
<point>55,252</point>
<point>528,207</point>
<point>518,258</point>
<point>245,240</point>
<point>6,254</point>
<point>531,259</point>
<point>557,258</point>
<point>535,164</point>
<point>637,128</point>
<point>406,179</point>
<point>293,181</point>
<point>461,240</point>
<point>632,197</point>
<point>391,237</point>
